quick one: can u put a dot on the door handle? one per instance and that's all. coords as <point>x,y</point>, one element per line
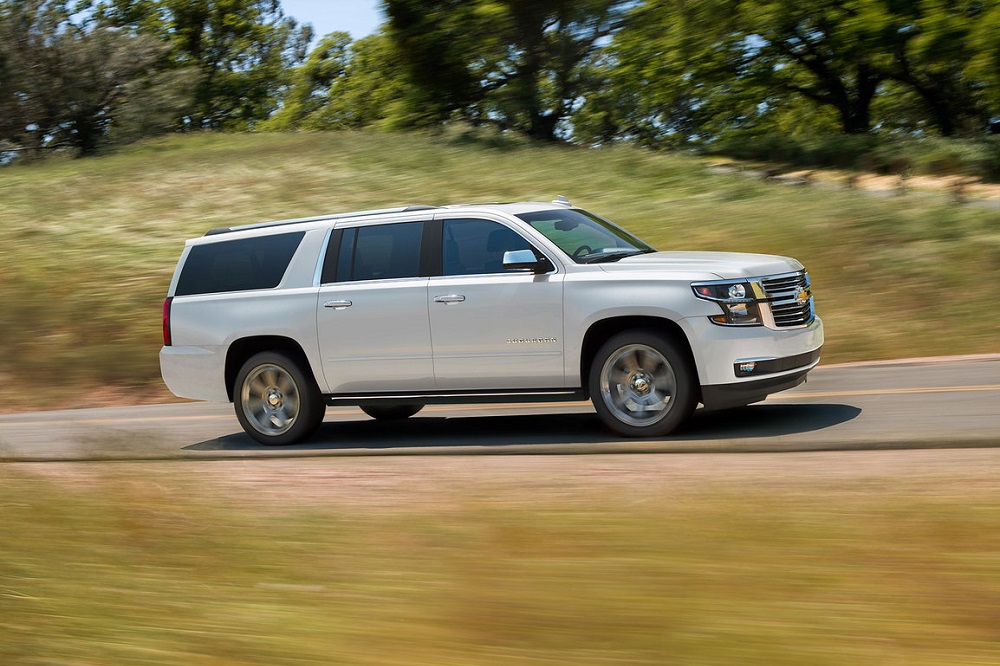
<point>449,299</point>
<point>338,305</point>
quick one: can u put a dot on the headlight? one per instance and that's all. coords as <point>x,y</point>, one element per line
<point>738,309</point>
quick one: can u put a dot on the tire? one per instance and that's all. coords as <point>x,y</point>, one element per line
<point>390,412</point>
<point>276,402</point>
<point>642,384</point>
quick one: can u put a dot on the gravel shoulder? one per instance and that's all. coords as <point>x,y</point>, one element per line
<point>434,483</point>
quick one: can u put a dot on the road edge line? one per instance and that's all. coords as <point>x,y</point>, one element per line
<point>922,360</point>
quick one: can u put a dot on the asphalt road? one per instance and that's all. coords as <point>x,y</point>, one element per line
<point>928,403</point>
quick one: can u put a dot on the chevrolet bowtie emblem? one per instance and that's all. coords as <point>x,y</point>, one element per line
<point>802,297</point>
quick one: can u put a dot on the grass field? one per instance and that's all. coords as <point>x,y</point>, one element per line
<point>87,247</point>
<point>819,559</point>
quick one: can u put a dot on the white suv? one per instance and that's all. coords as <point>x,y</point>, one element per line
<point>394,309</point>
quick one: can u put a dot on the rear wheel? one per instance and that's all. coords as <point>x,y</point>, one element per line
<point>391,412</point>
<point>642,384</point>
<point>276,402</point>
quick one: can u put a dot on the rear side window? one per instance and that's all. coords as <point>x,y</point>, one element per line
<point>379,252</point>
<point>238,265</point>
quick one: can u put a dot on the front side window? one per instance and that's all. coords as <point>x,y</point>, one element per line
<point>476,247</point>
<point>380,252</point>
<point>586,238</point>
<point>237,265</point>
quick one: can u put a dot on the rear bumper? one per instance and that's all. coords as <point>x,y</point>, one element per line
<point>194,372</point>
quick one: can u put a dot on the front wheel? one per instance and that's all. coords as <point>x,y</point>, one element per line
<point>642,384</point>
<point>276,402</point>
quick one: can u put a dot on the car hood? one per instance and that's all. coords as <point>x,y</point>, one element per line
<point>725,265</point>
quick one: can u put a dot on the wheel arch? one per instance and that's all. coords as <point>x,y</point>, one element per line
<point>241,350</point>
<point>601,331</point>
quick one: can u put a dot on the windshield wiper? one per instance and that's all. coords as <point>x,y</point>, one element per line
<point>609,257</point>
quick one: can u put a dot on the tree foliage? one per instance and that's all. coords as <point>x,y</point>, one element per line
<point>935,47</point>
<point>521,64</point>
<point>65,83</point>
<point>344,84</point>
<point>654,72</point>
<point>241,51</point>
<point>706,69</point>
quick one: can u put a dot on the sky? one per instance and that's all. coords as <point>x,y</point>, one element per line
<point>358,17</point>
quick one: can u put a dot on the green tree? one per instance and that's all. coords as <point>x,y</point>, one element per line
<point>309,90</point>
<point>344,84</point>
<point>242,51</point>
<point>985,63</point>
<point>521,64</point>
<point>833,52</point>
<point>671,76</point>
<point>372,91</point>
<point>685,70</point>
<point>936,44</point>
<point>66,83</point>
<point>439,38</point>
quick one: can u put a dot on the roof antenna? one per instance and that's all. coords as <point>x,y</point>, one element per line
<point>562,201</point>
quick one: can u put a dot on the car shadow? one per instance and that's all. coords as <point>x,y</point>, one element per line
<point>499,433</point>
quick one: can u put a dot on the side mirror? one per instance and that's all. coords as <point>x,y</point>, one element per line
<point>519,260</point>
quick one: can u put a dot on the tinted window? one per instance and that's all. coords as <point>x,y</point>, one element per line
<point>238,265</point>
<point>345,260</point>
<point>385,251</point>
<point>330,259</point>
<point>471,247</point>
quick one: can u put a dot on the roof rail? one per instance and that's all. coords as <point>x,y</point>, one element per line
<point>319,218</point>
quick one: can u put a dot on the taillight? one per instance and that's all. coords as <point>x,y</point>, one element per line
<point>166,321</point>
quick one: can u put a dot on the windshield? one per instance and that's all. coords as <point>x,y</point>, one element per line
<point>585,237</point>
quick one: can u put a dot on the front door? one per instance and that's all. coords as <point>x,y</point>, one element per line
<point>490,328</point>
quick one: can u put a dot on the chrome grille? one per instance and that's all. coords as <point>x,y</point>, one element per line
<point>790,298</point>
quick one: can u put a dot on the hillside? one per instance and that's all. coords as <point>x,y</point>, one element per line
<point>88,246</point>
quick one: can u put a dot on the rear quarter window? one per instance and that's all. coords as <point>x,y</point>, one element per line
<point>237,265</point>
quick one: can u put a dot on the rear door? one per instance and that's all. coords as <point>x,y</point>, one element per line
<point>372,319</point>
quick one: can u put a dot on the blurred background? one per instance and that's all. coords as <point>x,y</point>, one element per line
<point>128,126</point>
<point>819,81</point>
<point>859,136</point>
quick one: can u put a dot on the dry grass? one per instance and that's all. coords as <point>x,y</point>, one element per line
<point>810,558</point>
<point>88,246</point>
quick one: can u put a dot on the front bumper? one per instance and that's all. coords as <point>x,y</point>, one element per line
<point>724,396</point>
<point>780,360</point>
